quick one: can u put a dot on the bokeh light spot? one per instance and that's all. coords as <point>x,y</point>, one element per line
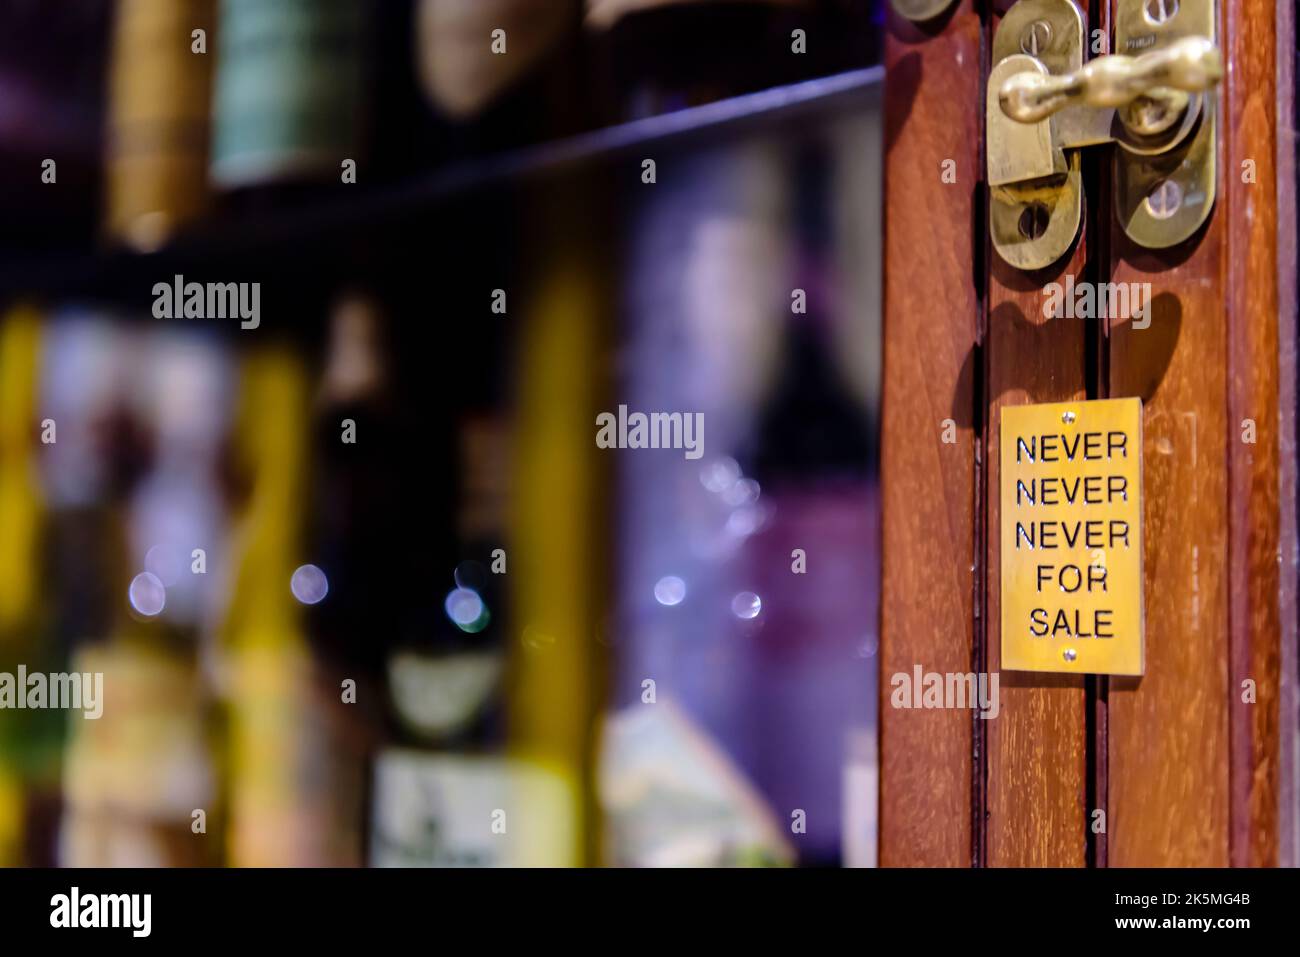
<point>466,609</point>
<point>746,605</point>
<point>719,475</point>
<point>670,590</point>
<point>309,584</point>
<point>147,594</point>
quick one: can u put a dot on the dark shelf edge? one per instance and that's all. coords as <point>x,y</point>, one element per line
<point>45,274</point>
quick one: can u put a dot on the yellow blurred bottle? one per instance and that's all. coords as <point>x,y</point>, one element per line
<point>160,82</point>
<point>558,587</point>
<point>20,511</point>
<point>295,775</point>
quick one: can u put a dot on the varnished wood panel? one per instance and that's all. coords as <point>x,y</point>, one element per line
<point>1254,609</point>
<point>1289,564</point>
<point>1187,773</point>
<point>931,317</point>
<point>1168,731</point>
<point>1168,740</point>
<point>1193,769</point>
<point>1037,746</point>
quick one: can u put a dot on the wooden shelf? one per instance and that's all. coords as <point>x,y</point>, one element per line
<point>357,208</point>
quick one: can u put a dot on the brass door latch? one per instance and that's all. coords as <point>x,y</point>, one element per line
<point>1155,99</point>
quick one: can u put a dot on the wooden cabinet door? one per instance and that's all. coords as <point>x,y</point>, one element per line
<point>1190,764</point>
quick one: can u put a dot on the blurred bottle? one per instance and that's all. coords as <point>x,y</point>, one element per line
<point>296,739</point>
<point>499,73</point>
<point>811,670</point>
<point>29,746</point>
<point>558,520</point>
<point>361,533</point>
<point>158,119</point>
<point>495,697</point>
<point>426,626</point>
<point>445,680</point>
<point>707,278</point>
<point>290,95</point>
<point>96,456</point>
<point>140,782</point>
<point>357,509</point>
<point>446,683</point>
<point>137,768</point>
<point>20,499</point>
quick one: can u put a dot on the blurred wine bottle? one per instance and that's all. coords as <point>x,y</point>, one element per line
<point>495,699</point>
<point>811,665</point>
<point>445,770</point>
<point>357,491</point>
<point>656,56</point>
<point>290,95</point>
<point>707,279</point>
<point>158,119</point>
<point>445,680</point>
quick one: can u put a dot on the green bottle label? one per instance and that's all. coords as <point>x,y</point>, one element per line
<point>289,89</point>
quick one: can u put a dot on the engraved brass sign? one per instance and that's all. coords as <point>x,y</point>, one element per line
<point>1071,492</point>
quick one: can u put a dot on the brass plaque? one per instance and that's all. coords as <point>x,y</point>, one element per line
<point>1071,491</point>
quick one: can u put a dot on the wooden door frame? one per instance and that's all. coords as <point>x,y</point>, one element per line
<point>1185,771</point>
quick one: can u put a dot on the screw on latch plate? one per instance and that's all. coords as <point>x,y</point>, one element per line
<point>1165,199</point>
<point>1160,11</point>
<point>1034,221</point>
<point>1036,37</point>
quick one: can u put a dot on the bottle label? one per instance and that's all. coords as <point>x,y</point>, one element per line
<point>157,120</point>
<point>288,89</point>
<point>468,53</point>
<point>452,810</point>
